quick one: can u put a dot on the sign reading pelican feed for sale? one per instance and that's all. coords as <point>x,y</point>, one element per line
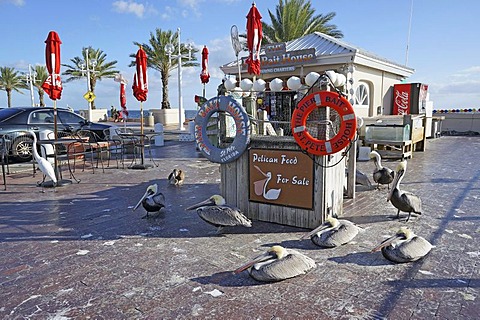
<point>281,177</point>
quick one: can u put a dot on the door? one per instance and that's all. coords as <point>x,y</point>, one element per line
<point>361,99</point>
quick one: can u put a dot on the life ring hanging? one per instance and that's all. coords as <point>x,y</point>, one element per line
<point>242,125</point>
<point>345,134</point>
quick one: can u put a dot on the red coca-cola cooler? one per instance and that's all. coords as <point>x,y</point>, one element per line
<point>409,98</point>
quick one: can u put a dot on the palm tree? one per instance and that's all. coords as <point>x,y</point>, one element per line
<point>157,58</point>
<point>295,19</point>
<point>102,68</point>
<point>41,74</point>
<point>11,80</point>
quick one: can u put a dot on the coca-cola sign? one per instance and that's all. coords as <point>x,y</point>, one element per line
<point>401,99</point>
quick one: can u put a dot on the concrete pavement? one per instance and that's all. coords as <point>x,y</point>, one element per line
<point>82,253</point>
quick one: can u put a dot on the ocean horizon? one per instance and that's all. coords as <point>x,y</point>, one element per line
<point>135,114</point>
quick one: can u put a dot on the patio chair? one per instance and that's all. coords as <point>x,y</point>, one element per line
<point>94,146</point>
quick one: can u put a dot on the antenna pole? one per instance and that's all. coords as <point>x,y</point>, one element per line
<point>409,30</point>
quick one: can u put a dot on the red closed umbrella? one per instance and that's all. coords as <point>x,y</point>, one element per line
<point>140,81</point>
<point>53,83</point>
<point>140,90</point>
<point>254,39</point>
<point>204,76</point>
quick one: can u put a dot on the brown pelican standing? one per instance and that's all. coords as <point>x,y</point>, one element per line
<point>152,200</point>
<point>333,233</point>
<point>404,246</point>
<point>215,212</point>
<point>278,264</point>
<point>176,177</point>
<point>381,175</point>
<point>402,200</point>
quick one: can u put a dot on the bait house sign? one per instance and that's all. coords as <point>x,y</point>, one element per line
<point>281,177</point>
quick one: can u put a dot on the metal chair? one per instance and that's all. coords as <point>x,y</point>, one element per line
<point>93,146</point>
<point>4,148</point>
<point>128,142</point>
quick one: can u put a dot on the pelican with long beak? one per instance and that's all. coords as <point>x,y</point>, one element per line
<point>278,264</point>
<point>152,201</point>
<point>216,212</point>
<point>333,233</point>
<point>402,200</point>
<point>176,177</point>
<point>404,246</point>
<point>381,174</point>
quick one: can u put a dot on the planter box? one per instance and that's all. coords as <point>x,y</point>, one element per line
<point>165,116</point>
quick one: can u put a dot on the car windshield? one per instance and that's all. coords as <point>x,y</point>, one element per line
<point>7,113</point>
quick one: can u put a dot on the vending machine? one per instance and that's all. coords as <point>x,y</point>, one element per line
<point>410,98</point>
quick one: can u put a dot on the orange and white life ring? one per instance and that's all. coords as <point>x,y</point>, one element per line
<point>345,134</point>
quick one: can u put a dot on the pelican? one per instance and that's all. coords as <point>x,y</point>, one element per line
<point>176,177</point>
<point>381,175</point>
<point>152,200</point>
<point>333,233</point>
<point>404,246</point>
<point>215,212</point>
<point>43,164</point>
<point>278,264</point>
<point>402,200</point>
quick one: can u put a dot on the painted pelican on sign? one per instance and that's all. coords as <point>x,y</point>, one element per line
<point>216,212</point>
<point>271,194</point>
<point>278,264</point>
<point>402,200</point>
<point>404,246</point>
<point>176,177</point>
<point>43,164</point>
<point>333,233</point>
<point>381,174</point>
<point>152,201</point>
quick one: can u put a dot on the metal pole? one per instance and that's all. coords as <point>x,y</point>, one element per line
<point>180,99</point>
<point>31,84</point>
<point>88,86</point>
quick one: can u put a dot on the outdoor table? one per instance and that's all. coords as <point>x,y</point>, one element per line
<point>139,142</point>
<point>57,142</point>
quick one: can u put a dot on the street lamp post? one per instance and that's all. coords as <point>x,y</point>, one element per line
<point>169,48</point>
<point>31,80</point>
<point>85,68</point>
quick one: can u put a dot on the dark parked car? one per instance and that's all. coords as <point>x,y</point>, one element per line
<point>17,121</point>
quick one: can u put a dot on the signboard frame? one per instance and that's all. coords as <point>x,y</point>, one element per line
<point>291,182</point>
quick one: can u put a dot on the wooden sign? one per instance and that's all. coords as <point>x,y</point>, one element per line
<point>281,177</point>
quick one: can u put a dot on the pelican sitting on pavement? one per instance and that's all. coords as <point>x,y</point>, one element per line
<point>152,201</point>
<point>402,200</point>
<point>333,233</point>
<point>404,246</point>
<point>381,175</point>
<point>176,177</point>
<point>278,264</point>
<point>43,164</point>
<point>215,212</point>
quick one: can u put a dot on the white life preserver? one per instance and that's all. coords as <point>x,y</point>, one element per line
<point>242,125</point>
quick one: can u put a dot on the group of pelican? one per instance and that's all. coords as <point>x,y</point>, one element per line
<point>402,200</point>
<point>279,263</point>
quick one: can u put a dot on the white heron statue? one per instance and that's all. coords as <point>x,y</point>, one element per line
<point>43,164</point>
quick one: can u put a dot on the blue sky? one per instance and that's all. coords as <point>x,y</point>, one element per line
<point>443,46</point>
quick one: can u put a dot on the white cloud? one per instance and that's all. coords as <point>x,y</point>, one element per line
<point>17,3</point>
<point>129,7</point>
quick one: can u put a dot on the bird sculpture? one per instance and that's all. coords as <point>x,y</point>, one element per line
<point>333,233</point>
<point>152,201</point>
<point>278,264</point>
<point>404,246</point>
<point>216,212</point>
<point>43,164</point>
<point>381,175</point>
<point>402,200</point>
<point>176,177</point>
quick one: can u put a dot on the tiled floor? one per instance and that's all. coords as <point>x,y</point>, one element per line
<point>81,252</point>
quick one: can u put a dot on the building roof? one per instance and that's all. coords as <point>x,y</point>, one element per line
<point>329,50</point>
